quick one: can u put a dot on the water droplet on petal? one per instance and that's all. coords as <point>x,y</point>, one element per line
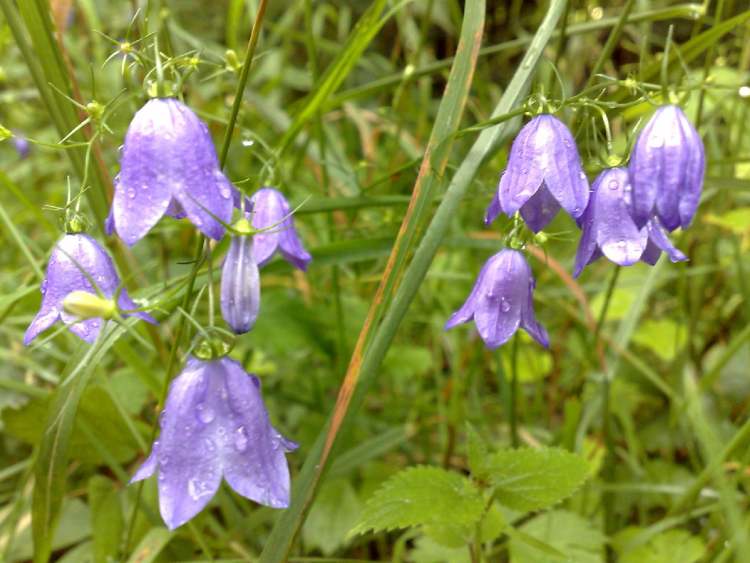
<point>43,287</point>
<point>614,185</point>
<point>504,305</point>
<point>208,443</point>
<point>240,439</point>
<point>205,413</point>
<point>622,243</point>
<point>198,488</point>
<point>656,141</point>
<point>131,193</point>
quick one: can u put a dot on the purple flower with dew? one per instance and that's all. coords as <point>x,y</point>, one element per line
<point>501,301</point>
<point>215,424</point>
<point>168,165</point>
<point>667,167</point>
<point>269,208</point>
<point>608,228</point>
<point>73,255</point>
<point>240,285</point>
<point>544,173</point>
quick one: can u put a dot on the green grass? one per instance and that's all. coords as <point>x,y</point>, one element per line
<point>388,123</point>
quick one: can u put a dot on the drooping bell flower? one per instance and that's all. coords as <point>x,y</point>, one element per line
<point>608,228</point>
<point>667,167</point>
<point>501,301</point>
<point>215,424</point>
<point>544,173</point>
<point>240,284</point>
<point>168,165</point>
<point>270,210</point>
<point>76,261</point>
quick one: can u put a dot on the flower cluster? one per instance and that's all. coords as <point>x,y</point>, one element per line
<point>215,422</point>
<point>625,215</point>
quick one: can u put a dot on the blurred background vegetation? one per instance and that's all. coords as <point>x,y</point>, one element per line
<point>676,334</point>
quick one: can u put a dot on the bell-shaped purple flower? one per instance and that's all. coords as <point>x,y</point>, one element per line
<point>168,165</point>
<point>269,208</point>
<point>667,167</point>
<point>76,261</point>
<point>240,285</point>
<point>544,173</point>
<point>215,424</point>
<point>501,301</point>
<point>608,227</point>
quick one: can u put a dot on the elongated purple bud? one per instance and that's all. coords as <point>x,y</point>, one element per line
<point>240,285</point>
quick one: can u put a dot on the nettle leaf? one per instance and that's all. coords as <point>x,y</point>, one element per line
<point>558,536</point>
<point>422,496</point>
<point>532,479</point>
<point>670,545</point>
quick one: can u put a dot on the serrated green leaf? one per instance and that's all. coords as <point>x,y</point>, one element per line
<point>422,496</point>
<point>532,479</point>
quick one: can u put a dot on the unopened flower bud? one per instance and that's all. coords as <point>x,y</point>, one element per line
<point>240,285</point>
<point>86,305</point>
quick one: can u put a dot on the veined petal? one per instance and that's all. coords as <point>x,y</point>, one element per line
<point>270,210</point>
<point>690,193</point>
<point>587,245</point>
<point>658,237</point>
<point>563,173</point>
<point>148,467</point>
<point>523,174</point>
<point>616,234</point>
<point>240,285</point>
<point>528,319</point>
<point>189,467</point>
<point>254,462</point>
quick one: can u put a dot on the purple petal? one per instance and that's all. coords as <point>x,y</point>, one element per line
<point>269,208</point>
<point>254,463</point>
<point>189,467</point>
<point>661,241</point>
<point>206,201</point>
<point>45,318</point>
<point>616,234</point>
<point>148,467</point>
<point>493,210</point>
<point>524,172</point>
<point>240,285</point>
<point>563,173</point>
<point>125,303</point>
<point>540,209</point>
<point>587,245</point>
<point>529,322</point>
<point>651,253</point>
<point>696,169</point>
<point>645,173</point>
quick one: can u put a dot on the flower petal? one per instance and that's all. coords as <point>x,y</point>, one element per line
<point>587,245</point>
<point>563,173</point>
<point>254,460</point>
<point>189,467</point>
<point>616,234</point>
<point>540,209</point>
<point>524,172</point>
<point>529,322</point>
<point>148,467</point>
<point>659,238</point>
<point>493,210</point>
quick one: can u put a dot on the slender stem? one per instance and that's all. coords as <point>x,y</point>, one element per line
<point>612,41</point>
<point>242,82</point>
<point>709,61</point>
<point>513,414</point>
<point>209,259</point>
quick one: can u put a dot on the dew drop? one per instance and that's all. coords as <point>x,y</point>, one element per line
<point>208,443</point>
<point>198,488</point>
<point>205,413</point>
<point>240,439</point>
<point>622,243</point>
<point>131,193</point>
<point>656,141</point>
<point>614,185</point>
<point>225,192</point>
<point>43,287</point>
<point>504,305</point>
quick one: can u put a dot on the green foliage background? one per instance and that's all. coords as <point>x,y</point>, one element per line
<point>343,101</point>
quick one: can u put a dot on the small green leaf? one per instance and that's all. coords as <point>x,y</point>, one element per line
<point>671,545</point>
<point>5,133</point>
<point>555,537</point>
<point>532,479</point>
<point>422,496</point>
<point>331,517</point>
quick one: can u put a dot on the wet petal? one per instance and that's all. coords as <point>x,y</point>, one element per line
<point>587,245</point>
<point>206,200</point>
<point>529,322</point>
<point>148,467</point>
<point>563,173</point>
<point>254,460</point>
<point>658,237</point>
<point>616,234</point>
<point>271,210</point>
<point>525,170</point>
<point>493,210</point>
<point>240,285</point>
<point>189,467</point>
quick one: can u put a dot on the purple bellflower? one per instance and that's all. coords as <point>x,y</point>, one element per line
<point>667,167</point>
<point>215,424</point>
<point>269,208</point>
<point>168,165</point>
<point>501,301</point>
<point>73,255</point>
<point>609,229</point>
<point>240,285</point>
<point>544,173</point>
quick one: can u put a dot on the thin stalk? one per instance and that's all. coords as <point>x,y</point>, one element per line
<point>612,41</point>
<point>244,73</point>
<point>709,61</point>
